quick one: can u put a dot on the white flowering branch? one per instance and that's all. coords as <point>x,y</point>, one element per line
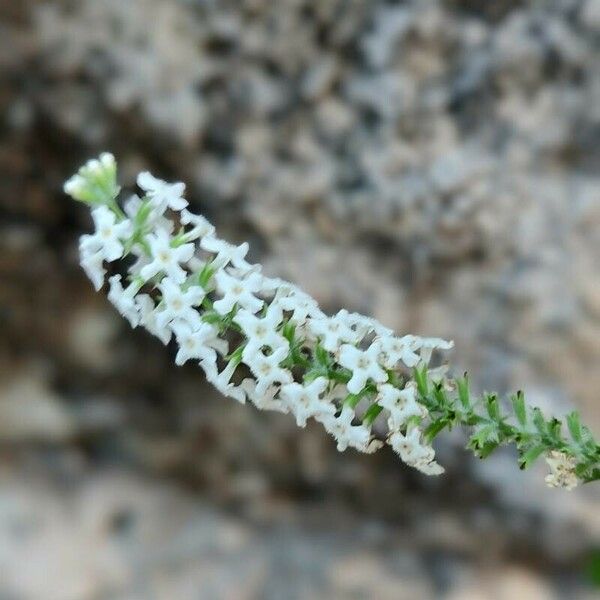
<point>262,339</point>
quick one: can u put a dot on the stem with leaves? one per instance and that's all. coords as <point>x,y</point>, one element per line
<point>492,425</point>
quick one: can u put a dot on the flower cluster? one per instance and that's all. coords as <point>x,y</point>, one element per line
<point>261,339</point>
<point>562,470</point>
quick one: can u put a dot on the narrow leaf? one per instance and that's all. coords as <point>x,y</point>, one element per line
<point>518,402</point>
<point>463,391</point>
<point>574,425</point>
<point>529,457</point>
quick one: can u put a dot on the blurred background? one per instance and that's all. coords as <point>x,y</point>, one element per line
<point>435,164</point>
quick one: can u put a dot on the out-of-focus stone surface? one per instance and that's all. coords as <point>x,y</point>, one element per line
<point>432,163</point>
<point>113,534</point>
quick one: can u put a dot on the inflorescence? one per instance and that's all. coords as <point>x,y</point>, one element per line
<point>263,339</point>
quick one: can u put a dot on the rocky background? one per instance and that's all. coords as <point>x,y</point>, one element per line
<point>435,164</point>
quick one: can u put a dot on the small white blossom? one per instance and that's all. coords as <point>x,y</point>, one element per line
<point>134,204</point>
<point>147,312</point>
<point>124,299</point>
<point>201,227</point>
<point>410,449</point>
<point>395,350</point>
<point>428,466</point>
<point>305,401</point>
<point>75,186</point>
<point>165,258</point>
<point>264,398</point>
<point>179,305</point>
<point>346,434</point>
<point>226,253</point>
<point>364,325</point>
<point>364,366</point>
<point>332,331</point>
<point>95,182</point>
<point>194,342</point>
<point>262,331</point>
<point>428,345</point>
<point>222,380</point>
<point>162,194</point>
<point>92,262</point>
<point>562,470</point>
<point>266,369</point>
<point>301,305</point>
<point>401,404</point>
<point>109,234</point>
<point>238,292</point>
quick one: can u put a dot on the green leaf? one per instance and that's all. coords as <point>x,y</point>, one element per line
<point>205,275</point>
<point>420,376</point>
<point>440,395</point>
<point>212,318</point>
<point>236,356</point>
<point>593,476</point>
<point>352,400</point>
<point>518,403</point>
<point>289,332</point>
<point>493,408</point>
<point>529,457</point>
<point>434,428</point>
<point>487,449</point>
<point>554,427</point>
<point>483,436</point>
<point>322,356</point>
<point>574,425</point>
<point>463,391</point>
<point>371,414</point>
<point>539,421</point>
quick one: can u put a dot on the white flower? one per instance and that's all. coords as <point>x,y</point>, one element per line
<point>410,449</point>
<point>238,292</point>
<point>161,193</point>
<point>305,401</point>
<point>124,299</point>
<point>364,366</point>
<point>75,186</point>
<point>141,261</point>
<point>147,312</point>
<point>428,345</point>
<point>227,254</point>
<point>177,304</point>
<point>408,445</point>
<point>92,262</point>
<point>301,305</point>
<point>429,466</point>
<point>364,325</point>
<point>332,331</point>
<point>109,233</point>
<point>262,332</point>
<point>395,350</point>
<point>134,204</point>
<point>95,182</point>
<point>263,399</point>
<point>562,470</point>
<point>346,434</point>
<point>222,380</point>
<point>200,226</point>
<point>266,369</point>
<point>165,258</point>
<point>273,285</point>
<point>195,342</point>
<point>401,404</point>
